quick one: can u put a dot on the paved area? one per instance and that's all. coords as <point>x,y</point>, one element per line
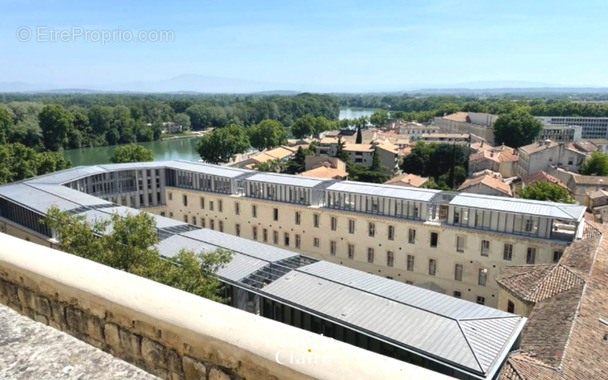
<point>32,350</point>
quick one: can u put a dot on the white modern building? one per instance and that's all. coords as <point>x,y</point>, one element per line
<point>592,127</point>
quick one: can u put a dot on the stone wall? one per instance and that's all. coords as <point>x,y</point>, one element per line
<point>170,333</point>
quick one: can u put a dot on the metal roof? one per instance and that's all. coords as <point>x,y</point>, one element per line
<point>68,175</point>
<point>283,179</point>
<point>72,195</point>
<point>240,267</point>
<point>383,190</point>
<point>172,245</point>
<point>523,206</point>
<point>35,199</point>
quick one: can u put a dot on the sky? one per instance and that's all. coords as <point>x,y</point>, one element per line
<point>357,45</point>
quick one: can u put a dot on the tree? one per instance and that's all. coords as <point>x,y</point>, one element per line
<point>297,164</point>
<point>359,139</point>
<point>223,143</point>
<point>545,191</point>
<point>19,162</point>
<point>267,134</point>
<point>5,123</point>
<point>131,153</point>
<point>129,243</point>
<point>596,164</point>
<point>379,118</point>
<point>55,122</point>
<point>273,166</point>
<point>183,120</point>
<point>303,127</point>
<point>517,128</point>
<point>341,153</point>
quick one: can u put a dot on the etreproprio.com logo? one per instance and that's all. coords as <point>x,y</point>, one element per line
<point>48,34</point>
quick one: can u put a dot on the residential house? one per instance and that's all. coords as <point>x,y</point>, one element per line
<point>408,180</point>
<point>501,159</point>
<point>486,183</point>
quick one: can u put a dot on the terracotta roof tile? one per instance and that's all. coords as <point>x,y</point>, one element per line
<point>489,181</point>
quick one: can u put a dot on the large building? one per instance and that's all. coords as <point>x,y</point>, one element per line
<point>432,330</point>
<point>561,133</point>
<point>475,123</point>
<point>593,127</point>
<point>450,242</point>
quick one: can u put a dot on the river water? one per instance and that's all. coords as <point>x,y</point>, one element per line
<point>176,149</point>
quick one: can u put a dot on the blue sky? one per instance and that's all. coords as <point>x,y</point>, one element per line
<point>354,44</point>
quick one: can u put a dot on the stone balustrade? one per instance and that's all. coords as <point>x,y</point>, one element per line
<point>170,333</point>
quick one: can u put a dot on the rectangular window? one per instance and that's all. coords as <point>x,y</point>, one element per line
<point>434,238</point>
<point>556,256</point>
<point>203,222</point>
<point>221,226</point>
<point>370,255</point>
<point>315,220</point>
<point>432,267</point>
<point>351,226</point>
<point>508,252</point>
<point>372,229</point>
<point>485,248</point>
<point>460,241</point>
<point>185,200</point>
<point>458,272</point>
<point>390,258</point>
<point>297,241</point>
<point>391,232</point>
<point>210,205</point>
<point>211,224</point>
<point>334,223</point>
<point>254,211</point>
<point>481,300</point>
<point>194,220</point>
<point>531,255</point>
<point>286,239</point>
<point>351,251</point>
<point>510,307</point>
<point>254,232</point>
<point>275,214</point>
<point>410,263</point>
<point>185,218</point>
<point>411,236</point>
<point>170,196</point>
<point>332,248</point>
<point>298,218</point>
<point>265,235</point>
<point>275,237</point>
<point>457,294</point>
<point>315,242</point>
<point>483,276</point>
<point>220,206</point>
<point>456,217</point>
<point>237,229</point>
<point>202,203</point>
<point>162,213</point>
<point>237,208</point>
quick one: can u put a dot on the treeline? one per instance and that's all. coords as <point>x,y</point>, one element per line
<point>445,164</point>
<point>53,122</point>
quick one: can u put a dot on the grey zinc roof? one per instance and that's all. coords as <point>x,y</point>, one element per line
<point>35,199</point>
<point>522,206</point>
<point>240,267</point>
<point>221,171</point>
<point>72,195</point>
<point>474,346</point>
<point>67,175</point>
<point>283,179</point>
<point>400,192</point>
<point>171,246</point>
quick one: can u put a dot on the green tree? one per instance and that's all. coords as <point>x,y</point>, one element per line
<point>359,139</point>
<point>341,153</point>
<point>223,143</point>
<point>517,128</point>
<point>273,166</point>
<point>19,162</point>
<point>545,191</point>
<point>129,243</point>
<point>267,134</point>
<point>183,120</point>
<point>303,127</point>
<point>297,164</point>
<point>5,123</point>
<point>131,153</point>
<point>55,122</point>
<point>596,164</point>
<point>379,118</point>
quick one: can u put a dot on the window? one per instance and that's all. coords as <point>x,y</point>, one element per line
<point>194,220</point>
<point>557,255</point>
<point>298,218</point>
<point>212,224</point>
<point>237,208</point>
<point>460,241</point>
<point>391,232</point>
<point>508,252</point>
<point>202,203</point>
<point>286,239</point>
<point>315,242</point>
<point>275,237</point>
<point>185,218</point>
<point>220,206</point>
<point>485,247</point>
<point>254,211</point>
<point>221,226</point>
<point>370,255</point>
<point>334,223</point>
<point>211,205</point>
<point>456,217</point>
<point>510,307</point>
<point>315,220</point>
<point>528,225</point>
<point>390,258</point>
<point>411,236</point>
<point>457,294</point>
<point>458,272</point>
<point>332,248</point>
<point>254,232</point>
<point>410,263</point>
<point>297,241</point>
<point>185,200</point>
<point>531,255</point>
<point>483,276</point>
<point>351,251</point>
<point>170,196</point>
<point>372,229</point>
<point>275,214</point>
<point>432,267</point>
<point>203,222</point>
<point>265,235</point>
<point>351,226</point>
<point>237,230</point>
<point>481,300</point>
<point>162,213</point>
<point>434,238</point>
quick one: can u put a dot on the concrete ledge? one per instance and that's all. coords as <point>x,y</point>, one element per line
<point>170,333</point>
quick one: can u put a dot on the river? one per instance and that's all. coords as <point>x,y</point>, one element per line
<point>176,149</point>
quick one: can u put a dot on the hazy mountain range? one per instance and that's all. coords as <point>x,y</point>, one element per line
<point>193,83</point>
